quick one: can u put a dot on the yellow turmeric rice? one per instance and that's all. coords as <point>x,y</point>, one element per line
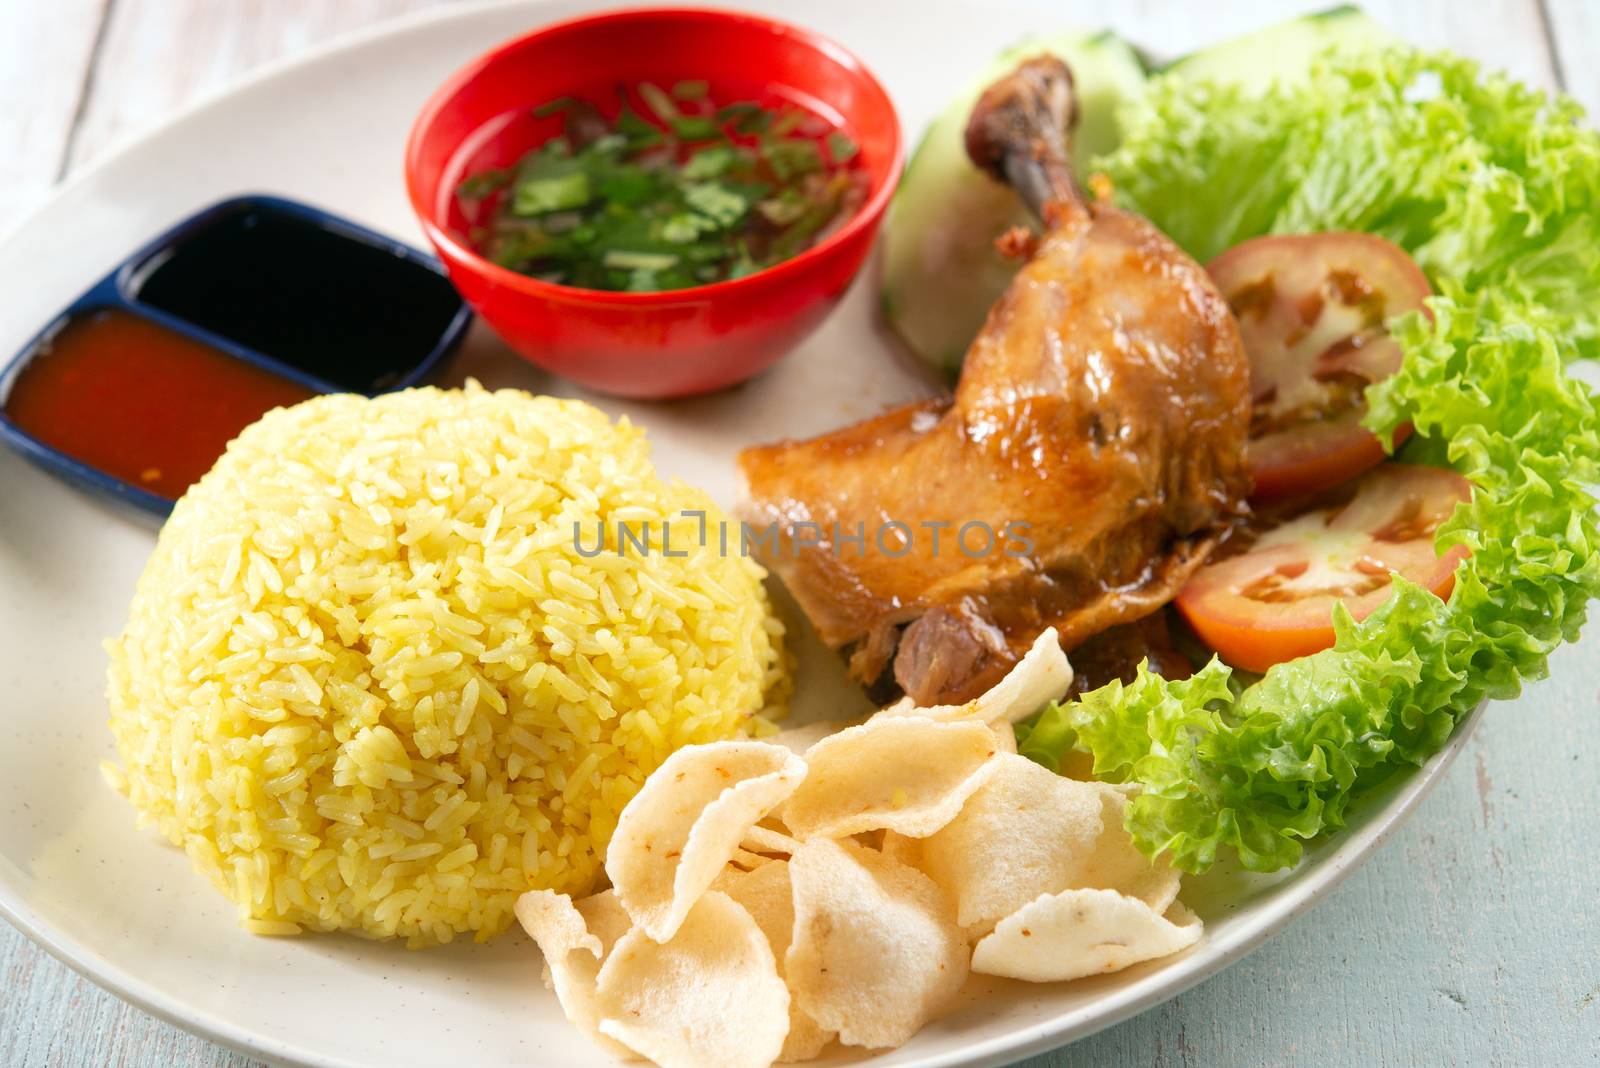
<point>376,677</point>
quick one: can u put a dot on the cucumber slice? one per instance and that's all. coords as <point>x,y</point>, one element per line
<point>1281,53</point>
<point>941,273</point>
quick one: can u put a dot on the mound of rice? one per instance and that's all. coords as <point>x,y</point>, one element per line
<point>369,683</point>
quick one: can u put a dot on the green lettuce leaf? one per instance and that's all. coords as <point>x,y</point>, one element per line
<point>1496,191</point>
<point>1485,181</point>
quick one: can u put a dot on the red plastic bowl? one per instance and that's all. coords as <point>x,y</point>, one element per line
<point>678,342</point>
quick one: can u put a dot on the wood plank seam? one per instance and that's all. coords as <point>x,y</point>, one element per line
<point>85,90</point>
<point>1547,27</point>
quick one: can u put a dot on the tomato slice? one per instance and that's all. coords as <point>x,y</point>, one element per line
<point>1274,600</point>
<point>1311,311</point>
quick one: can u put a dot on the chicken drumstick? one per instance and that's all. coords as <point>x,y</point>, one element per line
<point>1097,434</point>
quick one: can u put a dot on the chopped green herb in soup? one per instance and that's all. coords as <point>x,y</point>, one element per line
<point>673,191</point>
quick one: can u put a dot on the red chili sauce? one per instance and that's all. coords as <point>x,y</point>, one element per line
<point>139,401</point>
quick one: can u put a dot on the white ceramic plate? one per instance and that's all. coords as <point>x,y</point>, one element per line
<point>125,909</point>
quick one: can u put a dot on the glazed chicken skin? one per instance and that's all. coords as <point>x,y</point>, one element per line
<point>1100,419</point>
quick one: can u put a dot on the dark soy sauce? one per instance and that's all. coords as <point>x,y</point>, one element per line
<point>334,305</point>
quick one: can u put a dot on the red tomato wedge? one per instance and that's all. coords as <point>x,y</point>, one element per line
<point>1274,600</point>
<point>1311,311</point>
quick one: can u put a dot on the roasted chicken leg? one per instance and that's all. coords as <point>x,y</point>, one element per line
<point>1090,457</point>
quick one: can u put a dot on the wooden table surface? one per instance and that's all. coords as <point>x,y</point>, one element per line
<point>1474,937</point>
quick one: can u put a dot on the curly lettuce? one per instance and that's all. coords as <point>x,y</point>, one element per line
<point>1486,182</point>
<point>1495,190</point>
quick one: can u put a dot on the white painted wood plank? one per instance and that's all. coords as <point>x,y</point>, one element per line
<point>50,1016</point>
<point>1504,34</point>
<point>159,55</point>
<point>45,49</point>
<point>1575,31</point>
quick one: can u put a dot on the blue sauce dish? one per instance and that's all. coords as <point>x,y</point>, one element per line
<point>137,386</point>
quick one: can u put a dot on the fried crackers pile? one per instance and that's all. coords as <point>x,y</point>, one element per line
<point>767,901</point>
